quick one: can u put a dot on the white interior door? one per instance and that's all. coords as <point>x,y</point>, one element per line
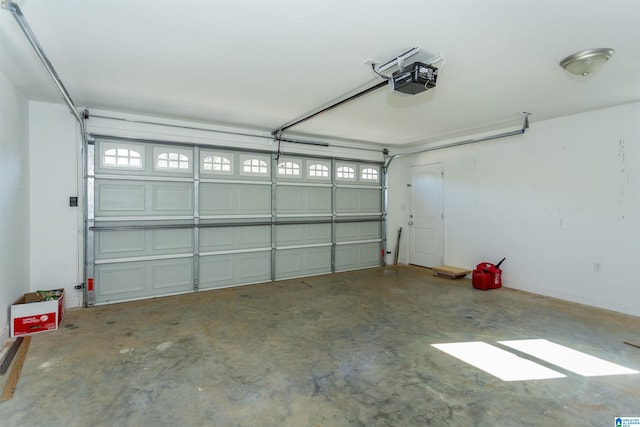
<point>426,216</point>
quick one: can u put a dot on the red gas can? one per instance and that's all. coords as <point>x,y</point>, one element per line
<point>487,276</point>
<point>481,279</point>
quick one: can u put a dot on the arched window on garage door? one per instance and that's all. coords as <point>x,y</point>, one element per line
<point>318,170</point>
<point>121,156</point>
<point>255,166</point>
<point>174,160</point>
<point>216,164</point>
<point>289,168</point>
<point>347,173</point>
<point>369,173</point>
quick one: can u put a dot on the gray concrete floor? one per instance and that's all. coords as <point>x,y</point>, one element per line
<point>351,349</point>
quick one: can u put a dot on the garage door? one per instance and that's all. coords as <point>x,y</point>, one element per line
<point>169,218</point>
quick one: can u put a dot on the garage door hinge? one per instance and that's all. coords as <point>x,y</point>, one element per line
<point>78,287</point>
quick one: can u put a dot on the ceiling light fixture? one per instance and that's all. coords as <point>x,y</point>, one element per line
<point>586,62</point>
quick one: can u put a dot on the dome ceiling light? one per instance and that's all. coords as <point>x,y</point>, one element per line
<point>586,62</point>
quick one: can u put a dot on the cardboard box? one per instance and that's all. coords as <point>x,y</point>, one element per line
<point>30,315</point>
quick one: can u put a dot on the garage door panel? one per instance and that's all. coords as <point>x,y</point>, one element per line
<point>346,256</point>
<point>234,199</point>
<point>318,233</point>
<point>253,237</point>
<point>175,199</point>
<point>370,254</point>
<point>117,199</point>
<point>139,243</point>
<point>254,199</point>
<point>119,279</point>
<point>289,200</point>
<point>254,266</point>
<point>216,198</point>
<point>301,234</point>
<point>142,279</point>
<point>358,200</point>
<point>346,200</point>
<point>288,262</point>
<point>123,243</point>
<point>350,231</point>
<point>171,240</point>
<point>361,255</point>
<point>318,260</point>
<point>120,197</point>
<point>232,238</point>
<point>370,200</point>
<point>216,270</point>
<point>302,262</point>
<point>227,270</point>
<point>289,234</point>
<point>303,200</point>
<point>319,200</point>
<point>216,239</point>
<point>172,274</point>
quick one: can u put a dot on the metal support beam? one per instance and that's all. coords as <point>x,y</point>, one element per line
<point>274,216</point>
<point>31,37</point>
<point>196,222</point>
<point>334,187</point>
<point>278,132</point>
<point>522,130</point>
<point>384,207</point>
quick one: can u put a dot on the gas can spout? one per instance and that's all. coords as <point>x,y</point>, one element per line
<point>501,261</point>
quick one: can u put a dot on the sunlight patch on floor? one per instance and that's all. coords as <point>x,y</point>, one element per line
<point>510,367</point>
<point>567,358</point>
<point>498,362</point>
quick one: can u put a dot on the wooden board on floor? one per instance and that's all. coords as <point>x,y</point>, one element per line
<point>12,350</point>
<point>12,380</point>
<point>5,350</point>
<point>450,272</point>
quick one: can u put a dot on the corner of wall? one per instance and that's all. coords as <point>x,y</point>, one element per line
<point>14,199</point>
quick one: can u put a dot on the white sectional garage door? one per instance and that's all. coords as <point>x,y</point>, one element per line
<point>166,219</point>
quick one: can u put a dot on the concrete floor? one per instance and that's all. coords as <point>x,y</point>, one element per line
<point>351,349</point>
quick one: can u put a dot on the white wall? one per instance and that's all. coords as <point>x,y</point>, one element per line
<point>555,201</point>
<point>55,161</point>
<point>14,199</point>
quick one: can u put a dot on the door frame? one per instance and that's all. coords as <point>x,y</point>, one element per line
<point>410,195</point>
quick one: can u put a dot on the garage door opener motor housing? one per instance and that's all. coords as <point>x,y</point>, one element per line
<point>414,78</point>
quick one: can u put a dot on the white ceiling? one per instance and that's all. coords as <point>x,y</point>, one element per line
<point>263,63</point>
